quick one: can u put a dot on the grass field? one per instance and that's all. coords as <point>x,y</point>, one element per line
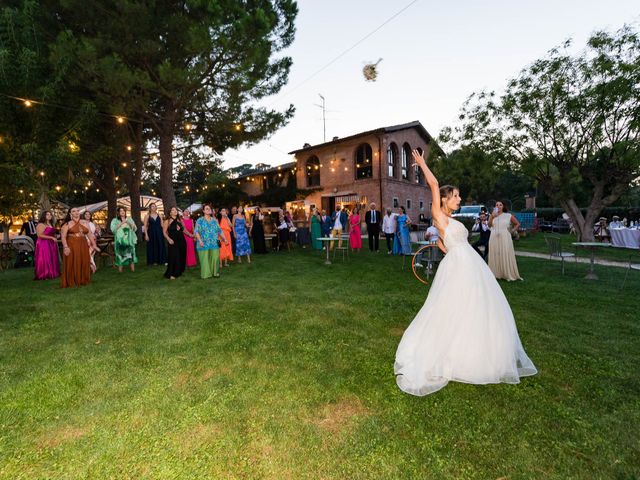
<point>284,369</point>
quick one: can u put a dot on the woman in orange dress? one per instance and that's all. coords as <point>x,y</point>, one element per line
<point>76,266</point>
<point>226,250</point>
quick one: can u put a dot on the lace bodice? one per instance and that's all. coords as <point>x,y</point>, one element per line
<point>455,234</point>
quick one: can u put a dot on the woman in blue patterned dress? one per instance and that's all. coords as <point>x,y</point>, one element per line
<point>208,233</point>
<point>243,246</point>
<point>402,231</point>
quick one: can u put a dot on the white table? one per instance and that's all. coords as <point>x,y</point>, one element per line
<point>591,275</point>
<point>625,237</point>
<point>326,241</point>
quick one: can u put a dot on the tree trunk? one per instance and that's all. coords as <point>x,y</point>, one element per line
<point>5,230</point>
<point>166,162</point>
<point>45,201</point>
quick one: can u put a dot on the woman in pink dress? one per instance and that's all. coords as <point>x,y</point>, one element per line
<point>189,237</point>
<point>355,235</point>
<point>46,260</point>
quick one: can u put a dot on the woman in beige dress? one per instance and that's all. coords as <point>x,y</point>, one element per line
<point>502,257</point>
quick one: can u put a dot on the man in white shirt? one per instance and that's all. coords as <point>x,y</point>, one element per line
<point>389,229</point>
<point>432,234</point>
<point>339,222</point>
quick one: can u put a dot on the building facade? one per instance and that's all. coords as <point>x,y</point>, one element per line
<point>373,166</point>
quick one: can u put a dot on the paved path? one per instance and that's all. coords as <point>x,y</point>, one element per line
<point>608,263</point>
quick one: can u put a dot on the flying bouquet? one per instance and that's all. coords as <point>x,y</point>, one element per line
<point>370,71</point>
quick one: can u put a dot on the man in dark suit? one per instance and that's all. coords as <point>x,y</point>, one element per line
<point>325,224</point>
<point>29,229</point>
<point>482,227</point>
<point>373,218</point>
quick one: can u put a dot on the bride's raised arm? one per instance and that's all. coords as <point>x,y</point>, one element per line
<point>437,214</point>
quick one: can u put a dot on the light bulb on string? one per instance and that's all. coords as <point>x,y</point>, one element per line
<point>120,120</point>
<point>27,103</point>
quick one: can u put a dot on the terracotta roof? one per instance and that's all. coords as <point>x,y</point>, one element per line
<point>394,128</point>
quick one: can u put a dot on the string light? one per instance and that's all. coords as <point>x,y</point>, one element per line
<point>42,174</point>
<point>238,127</point>
<point>188,127</point>
<point>129,148</point>
<point>28,103</point>
<point>120,120</point>
<point>124,164</point>
<point>73,147</point>
<point>21,191</point>
<point>57,188</point>
<point>87,170</point>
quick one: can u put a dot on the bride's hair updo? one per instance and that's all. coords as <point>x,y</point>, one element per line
<point>446,191</point>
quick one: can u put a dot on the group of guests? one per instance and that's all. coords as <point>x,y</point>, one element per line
<point>395,227</point>
<point>179,241</point>
<point>173,241</point>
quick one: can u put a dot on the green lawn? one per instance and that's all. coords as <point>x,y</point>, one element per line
<point>284,369</point>
<point>536,243</point>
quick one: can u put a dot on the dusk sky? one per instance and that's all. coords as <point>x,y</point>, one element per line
<point>435,54</point>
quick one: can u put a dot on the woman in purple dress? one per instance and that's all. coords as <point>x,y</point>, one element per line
<point>46,260</point>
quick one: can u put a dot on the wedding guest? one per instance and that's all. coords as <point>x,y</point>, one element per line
<point>315,229</point>
<point>95,232</point>
<point>243,246</point>
<point>389,229</point>
<point>173,231</point>
<point>226,251</point>
<point>76,265</point>
<point>124,231</point>
<point>95,229</point>
<point>482,227</point>
<point>257,232</point>
<point>208,233</point>
<point>29,229</point>
<point>46,261</point>
<point>403,237</point>
<point>502,257</point>
<point>234,210</point>
<point>355,234</point>
<point>432,234</point>
<point>283,232</point>
<point>325,223</point>
<point>338,223</point>
<point>156,252</point>
<point>373,218</point>
<point>189,238</point>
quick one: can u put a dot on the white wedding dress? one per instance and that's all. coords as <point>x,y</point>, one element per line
<point>465,330</point>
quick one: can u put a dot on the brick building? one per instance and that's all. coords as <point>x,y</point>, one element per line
<point>372,166</point>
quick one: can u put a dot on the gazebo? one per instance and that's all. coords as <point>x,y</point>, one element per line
<point>99,210</point>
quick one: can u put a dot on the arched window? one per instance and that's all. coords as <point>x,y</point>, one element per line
<point>313,171</point>
<point>392,160</point>
<point>419,176</point>
<point>364,162</point>
<point>406,155</point>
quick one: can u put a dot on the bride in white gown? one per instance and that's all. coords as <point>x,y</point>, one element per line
<point>465,330</point>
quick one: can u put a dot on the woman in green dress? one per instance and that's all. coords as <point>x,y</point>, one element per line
<point>124,232</point>
<point>316,230</point>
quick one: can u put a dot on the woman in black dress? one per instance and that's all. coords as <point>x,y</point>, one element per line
<point>153,234</point>
<point>177,252</point>
<point>257,232</point>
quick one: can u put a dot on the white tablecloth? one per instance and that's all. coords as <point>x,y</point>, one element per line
<point>625,237</point>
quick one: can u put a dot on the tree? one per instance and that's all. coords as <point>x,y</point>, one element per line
<point>38,140</point>
<point>572,122</point>
<point>199,64</point>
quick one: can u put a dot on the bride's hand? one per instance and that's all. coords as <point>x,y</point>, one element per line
<point>418,158</point>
